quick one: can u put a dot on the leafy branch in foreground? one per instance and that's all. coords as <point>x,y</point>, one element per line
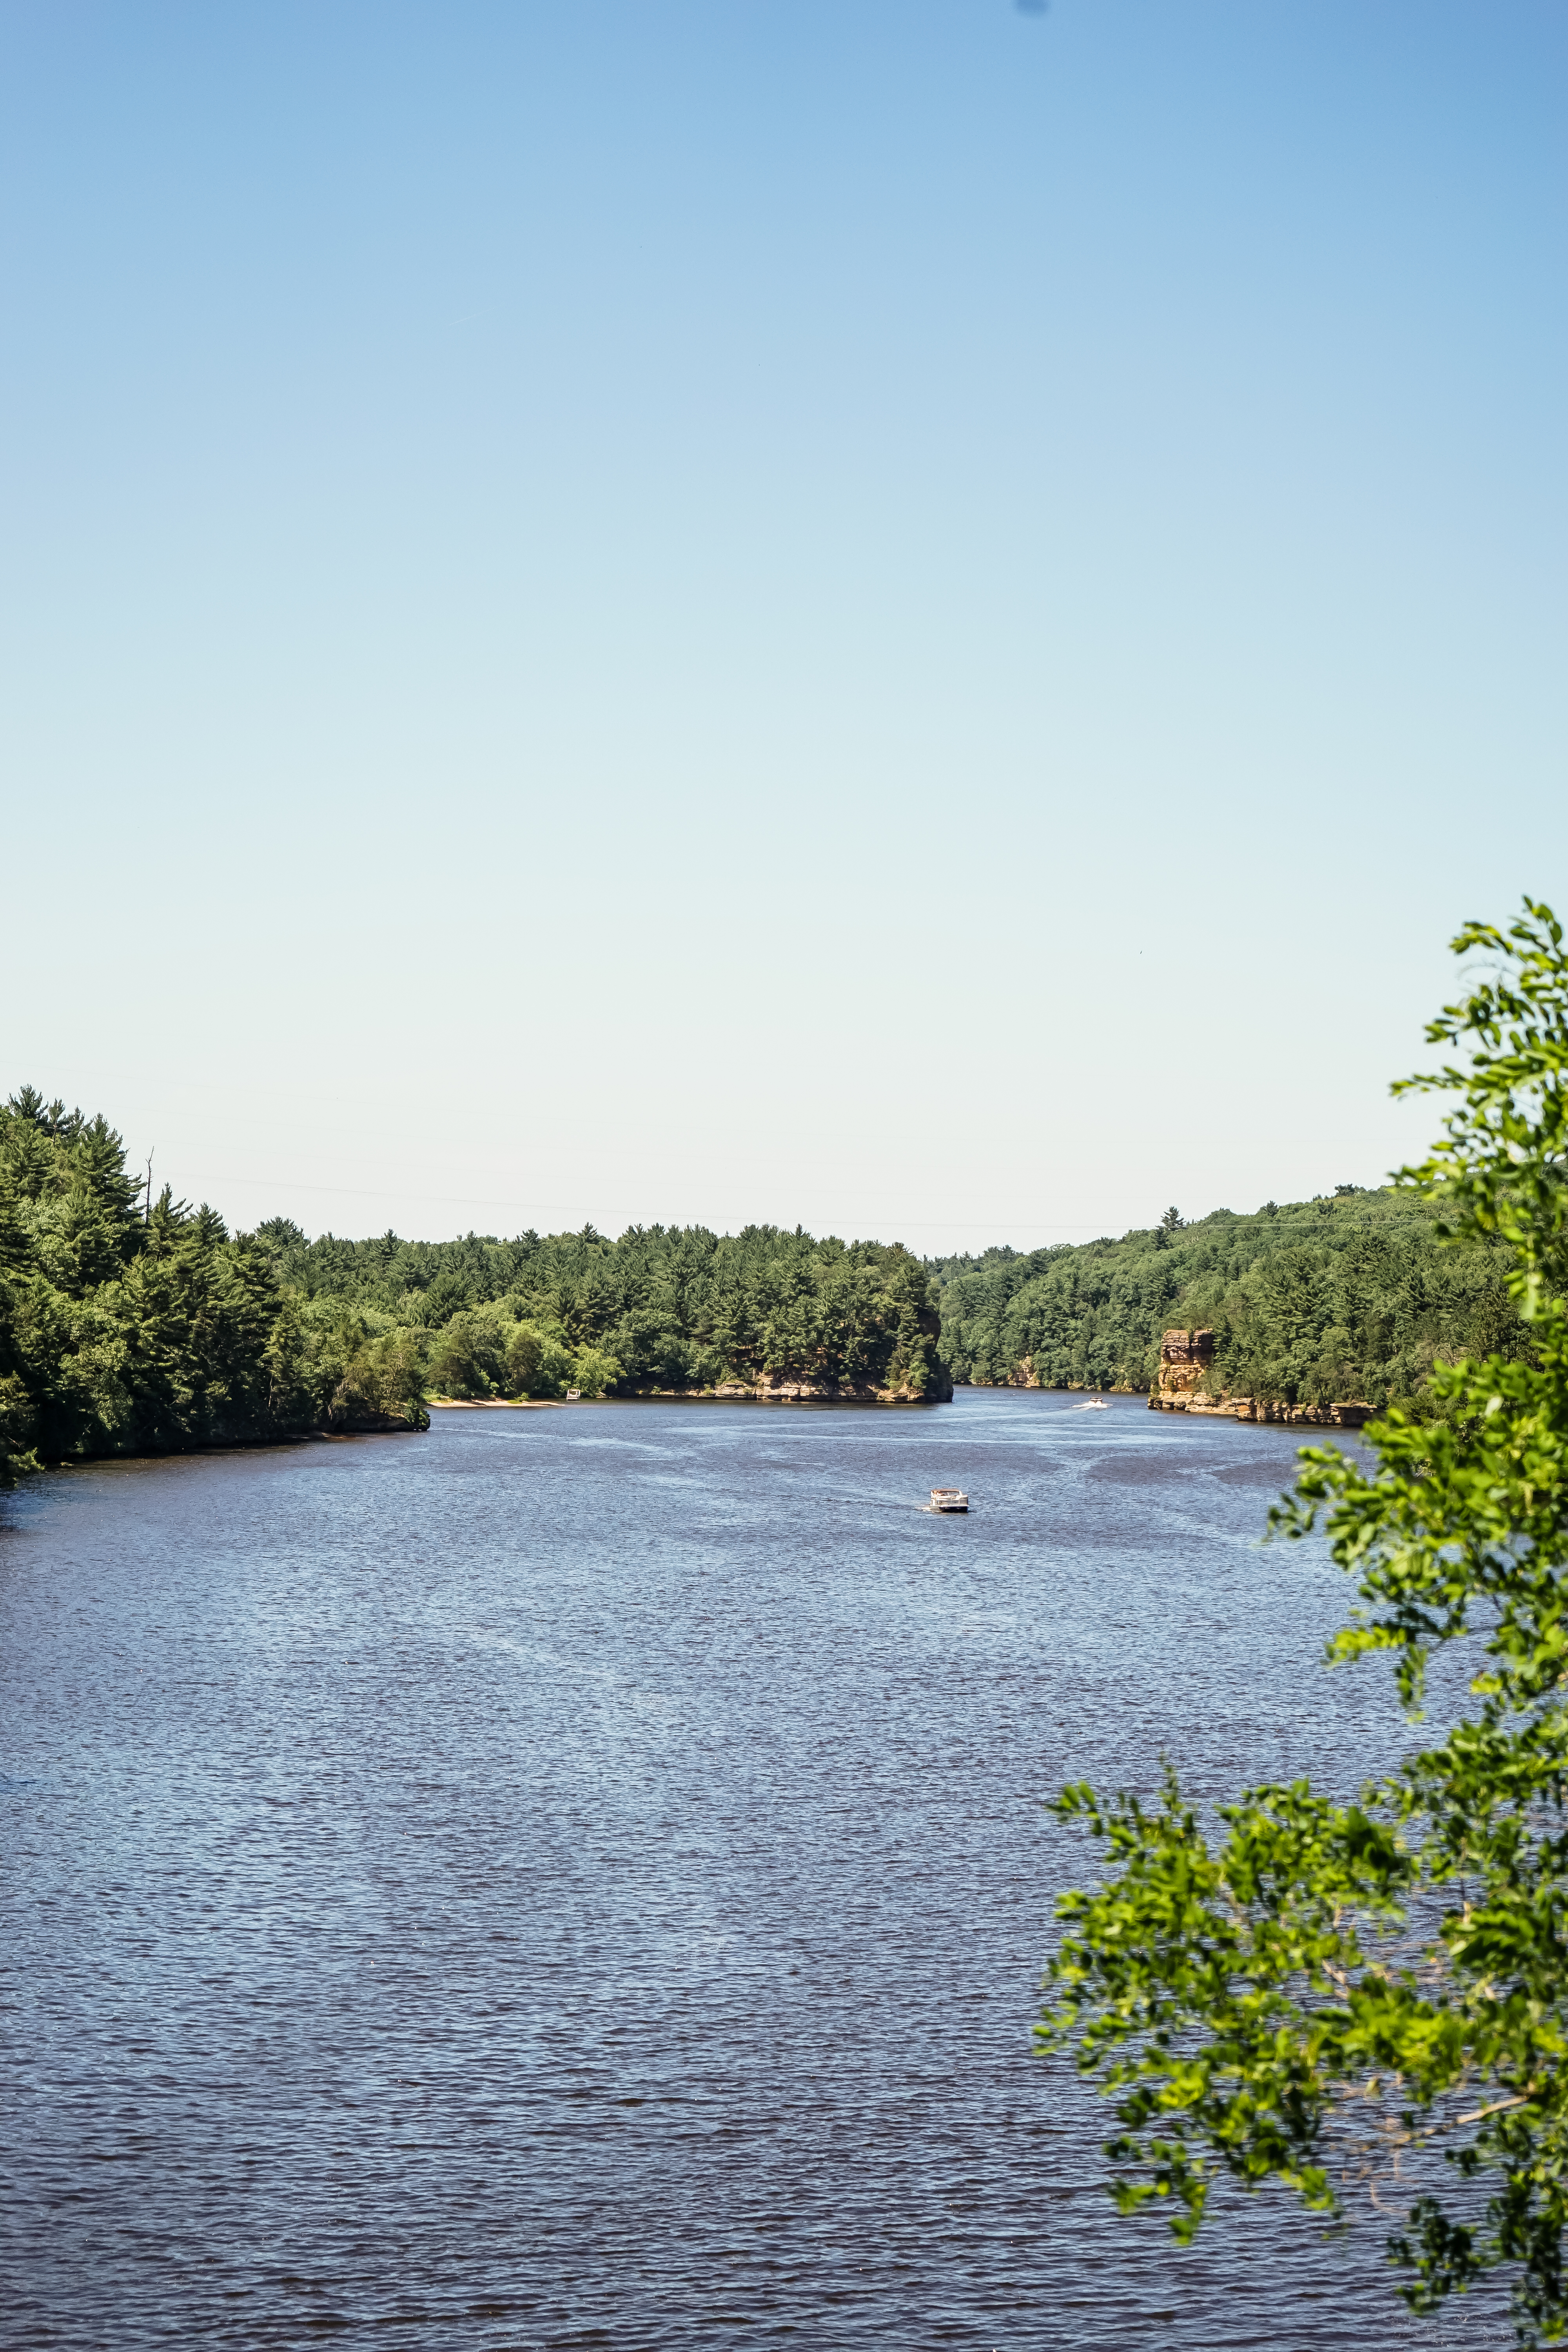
<point>1380,1988</point>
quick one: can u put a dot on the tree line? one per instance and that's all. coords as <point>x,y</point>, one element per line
<point>1349,1296</point>
<point>130,1324</point>
<point>133,1324</point>
<point>663,1308</point>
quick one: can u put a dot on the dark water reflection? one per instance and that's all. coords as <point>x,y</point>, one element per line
<point>580,1879</point>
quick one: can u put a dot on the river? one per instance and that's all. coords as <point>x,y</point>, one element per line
<point>580,1878</point>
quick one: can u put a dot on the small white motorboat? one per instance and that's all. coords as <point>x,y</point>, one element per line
<point>949,1498</point>
<point>1092,1404</point>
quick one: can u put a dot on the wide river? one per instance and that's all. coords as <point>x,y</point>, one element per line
<point>580,1878</point>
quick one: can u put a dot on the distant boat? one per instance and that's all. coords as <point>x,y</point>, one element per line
<point>573,1395</point>
<point>1092,1404</point>
<point>949,1498</point>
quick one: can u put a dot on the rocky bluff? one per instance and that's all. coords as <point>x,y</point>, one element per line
<point>1186,1384</point>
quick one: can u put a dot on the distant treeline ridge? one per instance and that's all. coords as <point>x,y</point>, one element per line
<point>137,1326</point>
<point>1313,1302</point>
<point>667,1309</point>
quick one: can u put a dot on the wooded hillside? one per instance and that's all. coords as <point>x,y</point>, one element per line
<point>1313,1302</point>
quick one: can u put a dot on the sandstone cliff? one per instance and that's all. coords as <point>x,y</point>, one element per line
<point>782,1391</point>
<point>1184,1385</point>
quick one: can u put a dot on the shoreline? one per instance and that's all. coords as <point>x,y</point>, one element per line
<point>672,1396</point>
<point>503,1404</point>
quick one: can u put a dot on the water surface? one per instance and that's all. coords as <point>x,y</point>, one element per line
<point>580,1878</point>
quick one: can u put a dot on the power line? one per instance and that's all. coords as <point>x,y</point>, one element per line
<point>571,1208</point>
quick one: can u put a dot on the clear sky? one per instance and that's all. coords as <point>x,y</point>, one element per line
<point>900,615</point>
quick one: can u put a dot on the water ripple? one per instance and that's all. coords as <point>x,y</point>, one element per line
<point>580,1879</point>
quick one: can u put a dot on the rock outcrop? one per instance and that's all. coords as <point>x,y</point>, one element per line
<point>791,1391</point>
<point>1186,1358</point>
<point>1186,1362</point>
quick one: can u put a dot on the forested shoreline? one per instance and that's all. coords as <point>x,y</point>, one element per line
<point>1312,1302</point>
<point>670,1310</point>
<point>130,1325</point>
<point>137,1326</point>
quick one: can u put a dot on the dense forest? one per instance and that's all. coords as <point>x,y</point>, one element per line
<point>137,1325</point>
<point>1350,1296</point>
<point>663,1307</point>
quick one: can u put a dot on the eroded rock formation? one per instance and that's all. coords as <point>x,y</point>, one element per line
<point>784,1391</point>
<point>1187,1361</point>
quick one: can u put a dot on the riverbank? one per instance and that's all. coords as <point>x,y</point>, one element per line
<point>724,1395</point>
<point>1271,1409</point>
<point>1187,1383</point>
<point>505,1404</point>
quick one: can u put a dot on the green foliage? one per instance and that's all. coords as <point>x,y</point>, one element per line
<point>127,1333</point>
<point>383,1381</point>
<point>1390,1979</point>
<point>1312,1303</point>
<point>469,1358</point>
<point>526,1372</point>
<point>593,1372</point>
<point>484,1353</point>
<point>130,1326</point>
<point>545,1366</point>
<point>661,1308</point>
<point>364,1368</point>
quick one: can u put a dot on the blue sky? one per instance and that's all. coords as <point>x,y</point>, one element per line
<point>894,614</point>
